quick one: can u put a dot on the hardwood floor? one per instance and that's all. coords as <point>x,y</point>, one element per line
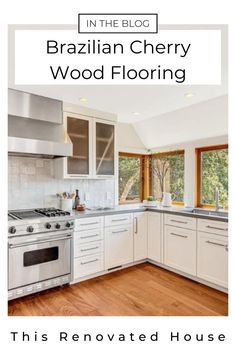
<point>142,290</point>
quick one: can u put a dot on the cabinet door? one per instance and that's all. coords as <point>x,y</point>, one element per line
<point>212,258</point>
<point>140,236</point>
<point>78,130</point>
<point>118,246</point>
<point>180,249</point>
<point>105,149</point>
<point>154,236</point>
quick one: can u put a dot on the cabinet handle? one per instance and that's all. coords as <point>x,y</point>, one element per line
<point>88,224</point>
<point>174,220</point>
<point>119,220</point>
<point>89,249</point>
<point>120,231</point>
<point>179,235</point>
<point>220,229</point>
<point>88,262</point>
<point>219,244</point>
<point>89,236</point>
<point>136,225</point>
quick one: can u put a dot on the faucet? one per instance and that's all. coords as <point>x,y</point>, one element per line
<point>216,197</point>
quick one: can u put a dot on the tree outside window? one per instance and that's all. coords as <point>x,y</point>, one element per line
<point>168,175</point>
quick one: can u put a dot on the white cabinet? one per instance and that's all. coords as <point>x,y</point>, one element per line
<point>140,236</point>
<point>155,236</point>
<point>212,226</point>
<point>180,221</point>
<point>88,247</point>
<point>180,249</point>
<point>118,245</point>
<point>212,258</point>
<point>94,150</point>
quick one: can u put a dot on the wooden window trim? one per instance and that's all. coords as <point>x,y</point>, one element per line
<point>144,188</point>
<point>156,155</point>
<point>198,192</point>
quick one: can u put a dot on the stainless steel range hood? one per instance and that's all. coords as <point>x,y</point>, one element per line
<point>35,126</point>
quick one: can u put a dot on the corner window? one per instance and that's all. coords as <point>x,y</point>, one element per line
<point>212,173</point>
<point>167,175</point>
<point>130,178</point>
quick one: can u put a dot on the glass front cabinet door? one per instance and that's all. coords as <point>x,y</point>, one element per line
<point>79,132</point>
<point>104,149</point>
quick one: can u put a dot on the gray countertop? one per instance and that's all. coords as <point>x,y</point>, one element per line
<point>139,208</point>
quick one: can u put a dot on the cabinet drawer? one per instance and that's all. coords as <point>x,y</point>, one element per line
<point>118,219</point>
<point>88,223</point>
<point>212,258</point>
<point>180,221</point>
<point>88,236</point>
<point>88,265</point>
<point>87,248</point>
<point>214,227</point>
<point>180,249</point>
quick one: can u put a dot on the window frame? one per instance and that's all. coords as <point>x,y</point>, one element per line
<point>155,155</point>
<point>143,172</point>
<point>198,152</point>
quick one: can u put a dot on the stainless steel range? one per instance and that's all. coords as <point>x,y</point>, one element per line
<point>39,250</point>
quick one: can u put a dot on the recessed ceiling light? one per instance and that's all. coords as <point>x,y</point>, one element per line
<point>83,99</point>
<point>136,113</point>
<point>189,94</point>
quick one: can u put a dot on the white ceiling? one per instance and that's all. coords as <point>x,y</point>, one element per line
<point>122,100</point>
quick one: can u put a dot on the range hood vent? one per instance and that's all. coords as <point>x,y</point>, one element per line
<point>35,126</point>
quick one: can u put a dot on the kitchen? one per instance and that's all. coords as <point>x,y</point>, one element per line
<point>149,235</point>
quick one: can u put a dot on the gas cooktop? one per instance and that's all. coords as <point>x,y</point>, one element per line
<point>38,212</point>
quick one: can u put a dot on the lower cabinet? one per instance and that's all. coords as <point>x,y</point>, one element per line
<point>212,258</point>
<point>140,235</point>
<point>180,249</point>
<point>154,236</point>
<point>118,245</point>
<point>88,252</point>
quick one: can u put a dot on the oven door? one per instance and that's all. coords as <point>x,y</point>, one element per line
<point>38,259</point>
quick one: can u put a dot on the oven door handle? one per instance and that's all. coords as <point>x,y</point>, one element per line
<point>11,246</point>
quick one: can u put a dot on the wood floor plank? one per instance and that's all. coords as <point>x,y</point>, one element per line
<point>141,290</point>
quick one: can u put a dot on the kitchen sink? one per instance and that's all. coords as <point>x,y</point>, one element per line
<point>207,212</point>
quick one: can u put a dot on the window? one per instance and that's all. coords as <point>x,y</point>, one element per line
<point>212,172</point>
<point>130,178</point>
<point>167,175</point>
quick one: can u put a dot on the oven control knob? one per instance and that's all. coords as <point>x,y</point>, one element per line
<point>48,225</point>
<point>12,230</point>
<point>57,226</point>
<point>30,229</point>
<point>68,224</point>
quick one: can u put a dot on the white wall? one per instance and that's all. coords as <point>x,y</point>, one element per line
<point>128,140</point>
<point>204,120</point>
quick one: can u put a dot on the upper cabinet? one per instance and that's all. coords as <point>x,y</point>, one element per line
<point>78,130</point>
<point>105,148</point>
<point>93,148</point>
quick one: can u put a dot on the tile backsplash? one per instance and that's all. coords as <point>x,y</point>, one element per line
<point>31,184</point>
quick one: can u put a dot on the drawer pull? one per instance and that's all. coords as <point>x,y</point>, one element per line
<point>120,231</point>
<point>174,220</point>
<point>136,225</point>
<point>90,236</point>
<point>119,220</point>
<point>219,244</point>
<point>218,228</point>
<point>88,262</point>
<point>179,235</point>
<point>89,224</point>
<point>89,249</point>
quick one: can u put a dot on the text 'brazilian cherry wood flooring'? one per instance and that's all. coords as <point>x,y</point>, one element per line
<point>141,290</point>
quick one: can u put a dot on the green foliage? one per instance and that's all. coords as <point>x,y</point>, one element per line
<point>129,167</point>
<point>174,178</point>
<point>215,174</point>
